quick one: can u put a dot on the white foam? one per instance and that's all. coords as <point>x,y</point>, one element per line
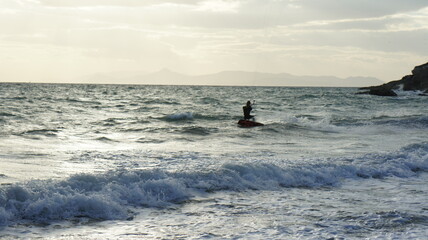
<point>406,122</point>
<point>113,195</point>
<point>401,93</point>
<point>319,123</point>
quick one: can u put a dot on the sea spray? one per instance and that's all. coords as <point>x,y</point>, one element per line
<point>112,195</point>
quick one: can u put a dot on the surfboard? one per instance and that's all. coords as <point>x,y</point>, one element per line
<point>248,123</point>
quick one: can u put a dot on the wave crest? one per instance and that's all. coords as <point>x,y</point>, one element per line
<point>180,116</point>
<point>114,194</point>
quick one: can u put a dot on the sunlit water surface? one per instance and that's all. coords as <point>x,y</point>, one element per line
<point>170,162</point>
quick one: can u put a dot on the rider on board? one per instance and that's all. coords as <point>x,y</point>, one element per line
<point>247,109</point>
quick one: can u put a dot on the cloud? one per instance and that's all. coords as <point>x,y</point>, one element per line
<point>407,21</point>
<point>219,6</point>
<point>117,3</point>
<point>202,36</point>
<point>401,32</point>
<point>250,14</point>
<point>345,9</point>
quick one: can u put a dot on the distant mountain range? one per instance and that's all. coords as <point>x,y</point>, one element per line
<point>231,78</point>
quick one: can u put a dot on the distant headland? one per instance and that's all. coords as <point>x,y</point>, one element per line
<point>417,81</point>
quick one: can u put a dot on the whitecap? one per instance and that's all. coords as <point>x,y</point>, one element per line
<point>181,116</point>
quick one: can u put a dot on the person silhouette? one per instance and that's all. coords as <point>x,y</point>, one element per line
<point>247,110</point>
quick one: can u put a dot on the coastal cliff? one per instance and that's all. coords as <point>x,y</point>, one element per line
<point>417,81</point>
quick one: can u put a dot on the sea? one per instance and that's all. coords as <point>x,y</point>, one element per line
<point>81,161</point>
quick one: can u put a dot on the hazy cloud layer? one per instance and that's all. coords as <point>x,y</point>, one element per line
<point>62,40</point>
<point>116,3</point>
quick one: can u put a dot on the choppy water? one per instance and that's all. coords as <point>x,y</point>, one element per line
<point>168,162</point>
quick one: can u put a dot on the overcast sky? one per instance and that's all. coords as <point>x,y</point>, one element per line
<point>65,40</point>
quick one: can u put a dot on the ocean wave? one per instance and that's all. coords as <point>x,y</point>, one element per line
<point>311,123</point>
<point>85,101</point>
<point>196,130</point>
<point>16,98</point>
<point>179,116</point>
<point>115,194</point>
<point>5,114</point>
<point>209,100</point>
<point>416,93</point>
<point>160,101</point>
<point>192,116</point>
<point>105,139</point>
<point>213,117</point>
<point>42,132</point>
<point>405,122</point>
<point>148,140</point>
<point>111,122</point>
<point>359,126</point>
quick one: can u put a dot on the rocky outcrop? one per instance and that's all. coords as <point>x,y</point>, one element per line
<point>417,81</point>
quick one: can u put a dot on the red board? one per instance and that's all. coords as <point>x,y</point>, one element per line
<point>248,123</point>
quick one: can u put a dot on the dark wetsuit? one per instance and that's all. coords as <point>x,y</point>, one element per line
<point>247,110</point>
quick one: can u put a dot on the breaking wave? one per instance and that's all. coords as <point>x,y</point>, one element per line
<point>114,194</point>
<point>373,125</point>
<point>180,116</point>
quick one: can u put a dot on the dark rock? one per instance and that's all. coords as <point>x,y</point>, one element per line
<point>418,81</point>
<point>379,91</point>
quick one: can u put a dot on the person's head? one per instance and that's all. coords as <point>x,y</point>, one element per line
<point>248,103</point>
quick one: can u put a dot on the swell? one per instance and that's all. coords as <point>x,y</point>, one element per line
<point>114,194</point>
<point>336,124</point>
<point>405,122</point>
<point>6,114</point>
<point>39,132</point>
<point>184,116</point>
